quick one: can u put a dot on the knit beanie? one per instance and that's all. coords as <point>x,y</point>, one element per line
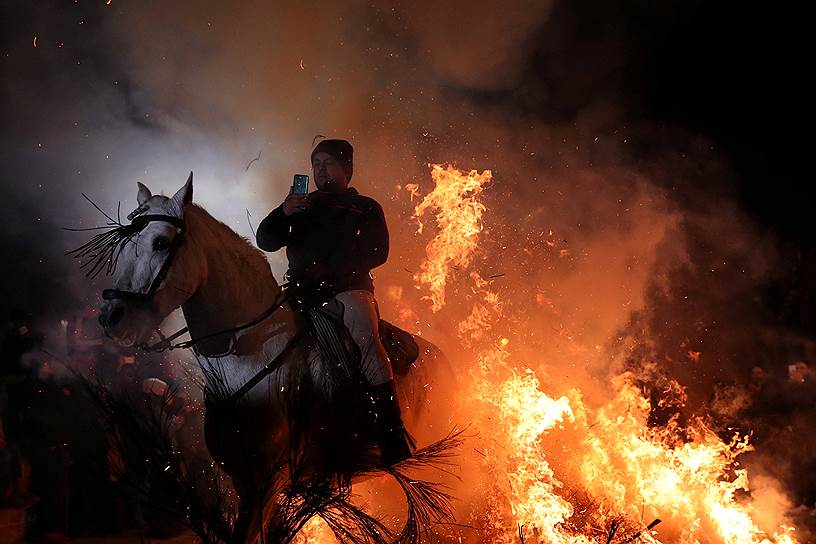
<point>341,151</point>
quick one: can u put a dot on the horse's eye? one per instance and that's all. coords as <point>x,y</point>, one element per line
<point>160,243</point>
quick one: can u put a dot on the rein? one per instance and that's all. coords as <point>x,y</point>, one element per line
<point>103,252</point>
<point>125,232</point>
<point>165,343</point>
<point>138,223</point>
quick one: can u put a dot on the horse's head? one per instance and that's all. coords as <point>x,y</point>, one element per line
<point>157,269</point>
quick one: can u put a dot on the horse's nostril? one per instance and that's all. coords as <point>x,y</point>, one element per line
<point>112,317</point>
<point>116,316</point>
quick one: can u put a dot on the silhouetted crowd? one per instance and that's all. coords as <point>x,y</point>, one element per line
<point>58,464</point>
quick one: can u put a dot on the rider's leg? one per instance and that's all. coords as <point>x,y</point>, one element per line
<point>362,318</point>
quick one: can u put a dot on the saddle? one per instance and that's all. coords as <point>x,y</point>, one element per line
<point>402,348</point>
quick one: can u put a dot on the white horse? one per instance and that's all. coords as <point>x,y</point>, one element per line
<point>178,255</point>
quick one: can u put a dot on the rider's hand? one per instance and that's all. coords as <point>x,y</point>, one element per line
<point>295,203</point>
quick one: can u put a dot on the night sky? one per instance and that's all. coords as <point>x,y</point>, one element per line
<point>725,77</point>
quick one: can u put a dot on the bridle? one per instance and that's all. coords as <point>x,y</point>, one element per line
<point>166,343</point>
<point>138,223</point>
<point>103,252</point>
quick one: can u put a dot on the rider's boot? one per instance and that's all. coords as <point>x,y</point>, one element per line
<point>389,432</point>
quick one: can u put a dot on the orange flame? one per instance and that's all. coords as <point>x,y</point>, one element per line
<point>627,471</point>
<point>630,464</point>
<point>316,531</point>
<point>623,463</point>
<point>458,215</point>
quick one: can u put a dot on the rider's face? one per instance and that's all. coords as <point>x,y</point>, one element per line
<point>328,173</point>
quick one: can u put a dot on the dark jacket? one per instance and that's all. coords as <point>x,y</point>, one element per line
<point>334,244</point>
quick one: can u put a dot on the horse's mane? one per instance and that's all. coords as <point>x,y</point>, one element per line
<point>234,247</point>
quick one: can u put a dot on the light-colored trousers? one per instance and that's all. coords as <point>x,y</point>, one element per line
<point>362,318</point>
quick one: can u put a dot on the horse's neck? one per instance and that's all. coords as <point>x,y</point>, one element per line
<point>236,289</point>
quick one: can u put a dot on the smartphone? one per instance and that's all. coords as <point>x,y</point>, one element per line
<point>300,185</point>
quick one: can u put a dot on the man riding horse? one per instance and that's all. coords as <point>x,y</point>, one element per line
<point>334,236</point>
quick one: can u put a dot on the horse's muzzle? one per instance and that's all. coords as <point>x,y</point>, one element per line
<point>111,314</point>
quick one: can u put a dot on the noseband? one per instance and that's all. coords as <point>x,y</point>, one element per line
<point>102,250</point>
<point>166,343</point>
<point>137,224</point>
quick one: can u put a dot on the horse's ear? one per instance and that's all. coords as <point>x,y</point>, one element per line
<point>144,194</point>
<point>184,195</point>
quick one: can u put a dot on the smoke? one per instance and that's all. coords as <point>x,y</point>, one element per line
<point>479,45</point>
<point>612,238</point>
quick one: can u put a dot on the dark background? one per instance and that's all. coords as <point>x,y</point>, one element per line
<point>729,72</point>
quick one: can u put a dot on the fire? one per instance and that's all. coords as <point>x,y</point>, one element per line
<point>630,469</point>
<point>615,477</point>
<point>629,464</point>
<point>486,310</point>
<point>316,531</point>
<point>458,214</point>
<point>529,501</point>
<point>624,464</point>
<point>526,413</point>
